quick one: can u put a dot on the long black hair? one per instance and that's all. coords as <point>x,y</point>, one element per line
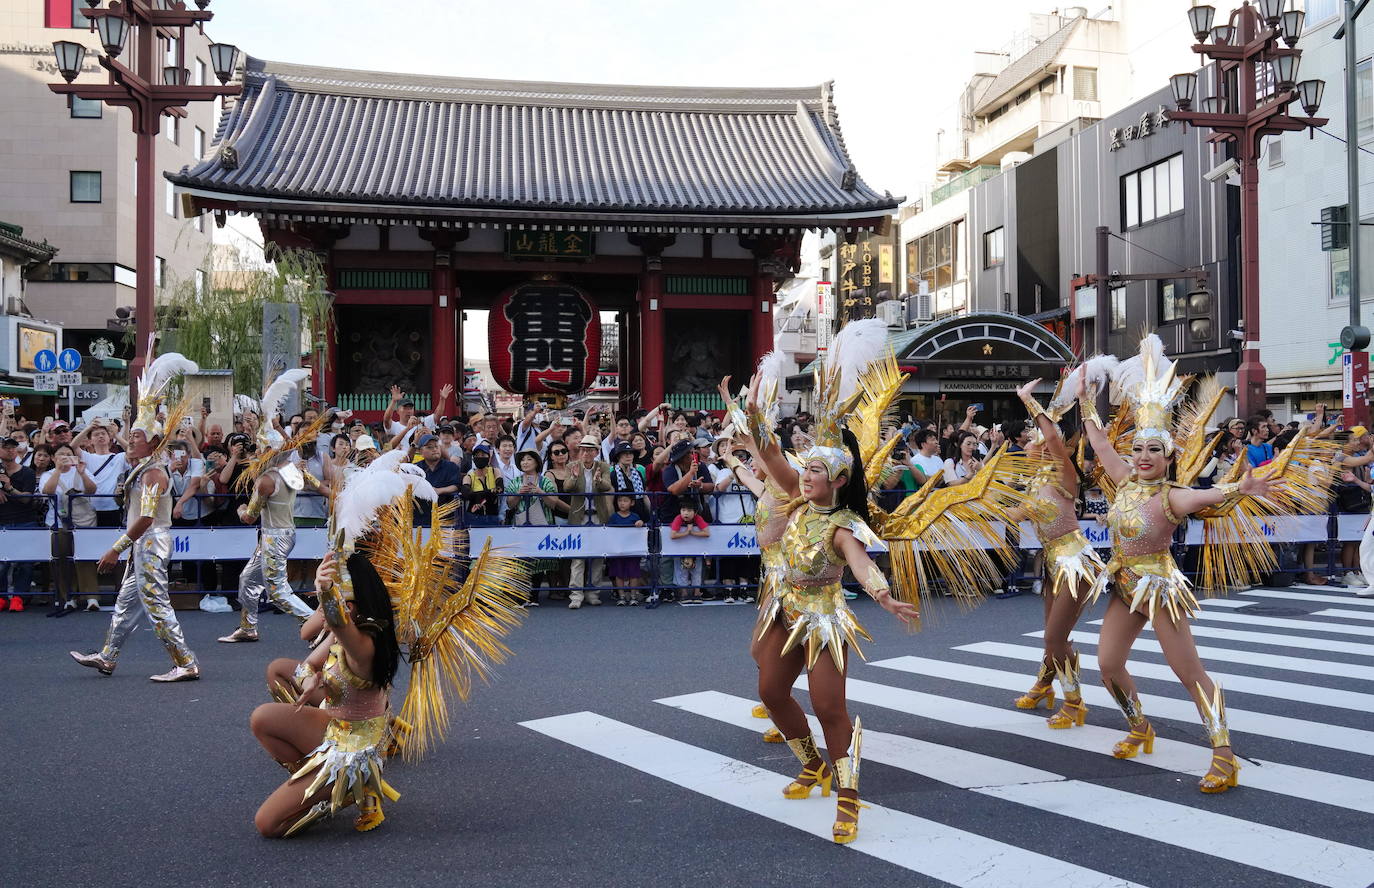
<point>854,494</point>
<point>374,611</point>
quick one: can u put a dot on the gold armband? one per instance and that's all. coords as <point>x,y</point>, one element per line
<point>732,462</point>
<point>311,479</point>
<point>254,506</point>
<point>1089,412</point>
<point>303,673</point>
<point>1230,491</point>
<point>123,544</point>
<point>761,430</point>
<point>876,583</point>
<point>147,503</point>
<point>735,416</point>
<point>1033,408</point>
<point>334,596</point>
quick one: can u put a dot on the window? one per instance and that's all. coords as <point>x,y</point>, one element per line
<point>1274,148</point>
<point>72,272</point>
<point>198,71</point>
<point>172,127</point>
<point>159,272</point>
<point>1320,11</point>
<point>198,142</point>
<point>173,44</point>
<point>85,186</point>
<point>1152,193</point>
<point>993,246</point>
<point>937,259</point>
<point>86,107</point>
<point>1118,309</point>
<point>1173,302</point>
<point>79,19</point>
<point>1339,293</point>
<point>1085,84</point>
<point>200,283</point>
<point>171,199</point>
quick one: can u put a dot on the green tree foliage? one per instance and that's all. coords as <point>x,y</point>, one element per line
<point>222,327</point>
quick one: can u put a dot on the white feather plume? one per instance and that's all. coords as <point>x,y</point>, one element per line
<point>1131,372</point>
<point>1098,370</point>
<point>244,404</point>
<point>773,369</point>
<point>164,368</point>
<point>280,390</point>
<point>379,484</point>
<point>858,344</point>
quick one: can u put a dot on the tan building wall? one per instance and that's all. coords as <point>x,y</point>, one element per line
<point>41,143</point>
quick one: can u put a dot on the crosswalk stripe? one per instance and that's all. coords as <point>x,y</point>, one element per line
<point>1283,623</point>
<point>1344,614</point>
<point>1234,684</point>
<point>1231,838</point>
<point>1278,726</point>
<point>1169,755</point>
<point>913,843</point>
<point>1275,640</point>
<point>1225,603</point>
<point>1309,596</point>
<point>1250,658</point>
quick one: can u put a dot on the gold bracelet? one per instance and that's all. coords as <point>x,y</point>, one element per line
<point>1088,410</point>
<point>1033,408</point>
<point>123,544</point>
<point>1230,491</point>
<point>732,462</point>
<point>876,583</point>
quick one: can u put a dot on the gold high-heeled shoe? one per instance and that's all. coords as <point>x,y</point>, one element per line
<point>370,814</point>
<point>772,735</point>
<point>847,774</point>
<point>759,711</point>
<point>1221,782</point>
<point>1126,749</point>
<point>1033,698</point>
<point>1071,714</point>
<point>804,748</point>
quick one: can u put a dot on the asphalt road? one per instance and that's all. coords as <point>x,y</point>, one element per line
<point>615,749</point>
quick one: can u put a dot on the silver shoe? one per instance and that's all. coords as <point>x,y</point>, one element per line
<point>94,661</point>
<point>239,634</point>
<point>178,673</point>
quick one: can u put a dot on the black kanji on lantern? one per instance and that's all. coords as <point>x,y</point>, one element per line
<point>548,338</point>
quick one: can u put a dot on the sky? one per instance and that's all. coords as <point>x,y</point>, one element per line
<point>898,65</point>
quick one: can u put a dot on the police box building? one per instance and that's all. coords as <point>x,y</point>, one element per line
<point>676,209</point>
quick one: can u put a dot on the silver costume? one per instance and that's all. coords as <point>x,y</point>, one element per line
<point>266,570</point>
<point>145,574</point>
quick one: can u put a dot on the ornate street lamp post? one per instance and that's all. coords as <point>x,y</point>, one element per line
<point>1256,80</point>
<point>149,90</point>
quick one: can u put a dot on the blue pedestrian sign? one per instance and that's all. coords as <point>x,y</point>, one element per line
<point>45,361</point>
<point>69,360</point>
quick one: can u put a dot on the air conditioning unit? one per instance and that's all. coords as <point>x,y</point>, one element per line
<point>893,313</point>
<point>921,308</point>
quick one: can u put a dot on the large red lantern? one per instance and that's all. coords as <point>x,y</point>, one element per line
<point>544,338</point>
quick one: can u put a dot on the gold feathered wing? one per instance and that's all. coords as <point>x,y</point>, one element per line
<point>453,632</point>
<point>879,385</point>
<point>1235,547</point>
<point>956,535</point>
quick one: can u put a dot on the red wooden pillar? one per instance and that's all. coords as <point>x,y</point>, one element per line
<point>444,367</point>
<point>651,339</point>
<point>652,345</point>
<point>761,314</point>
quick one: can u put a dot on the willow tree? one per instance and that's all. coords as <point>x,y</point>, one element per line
<point>221,326</point>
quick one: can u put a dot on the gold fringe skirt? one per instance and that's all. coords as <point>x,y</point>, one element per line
<point>817,618</point>
<point>1149,584</point>
<point>1071,561</point>
<point>350,758</point>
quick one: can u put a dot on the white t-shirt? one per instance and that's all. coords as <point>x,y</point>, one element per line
<point>733,499</point>
<point>105,471</point>
<point>929,465</point>
<point>396,427</point>
<point>82,513</point>
<point>181,480</point>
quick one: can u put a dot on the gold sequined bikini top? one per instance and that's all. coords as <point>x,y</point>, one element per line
<point>809,543</point>
<point>1132,517</point>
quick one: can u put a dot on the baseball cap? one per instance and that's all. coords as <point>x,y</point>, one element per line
<point>407,403</point>
<point>365,442</point>
<point>8,442</point>
<point>484,447</point>
<point>425,439</point>
<point>1359,431</point>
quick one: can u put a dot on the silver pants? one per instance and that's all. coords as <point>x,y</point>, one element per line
<point>266,574</point>
<point>145,589</point>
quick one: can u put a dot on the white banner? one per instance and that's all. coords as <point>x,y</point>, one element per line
<point>199,543</point>
<point>33,544</point>
<point>725,539</point>
<point>1097,535</point>
<point>562,542</point>
<point>1285,529</point>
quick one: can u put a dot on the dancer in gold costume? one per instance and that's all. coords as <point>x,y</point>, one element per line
<point>1150,500</point>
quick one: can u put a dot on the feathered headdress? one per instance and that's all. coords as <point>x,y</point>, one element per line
<point>837,390</point>
<point>1151,389</point>
<point>152,390</point>
<point>1098,371</point>
<point>272,399</point>
<point>771,372</point>
<point>369,490</point>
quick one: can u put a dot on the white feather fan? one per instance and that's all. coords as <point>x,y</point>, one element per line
<point>1098,370</point>
<point>377,485</point>
<point>280,390</point>
<point>858,344</point>
<point>164,368</point>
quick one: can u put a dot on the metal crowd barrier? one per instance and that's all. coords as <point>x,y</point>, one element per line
<point>204,539</point>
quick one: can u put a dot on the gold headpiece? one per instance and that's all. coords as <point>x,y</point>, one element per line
<point>837,391</point>
<point>1153,394</point>
<point>152,391</point>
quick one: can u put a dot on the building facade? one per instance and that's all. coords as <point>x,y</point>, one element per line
<point>1304,289</point>
<point>678,209</point>
<point>67,170</point>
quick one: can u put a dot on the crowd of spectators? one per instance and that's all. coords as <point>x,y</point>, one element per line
<point>544,467</point>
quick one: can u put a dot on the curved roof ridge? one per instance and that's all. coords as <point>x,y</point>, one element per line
<point>439,87</point>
